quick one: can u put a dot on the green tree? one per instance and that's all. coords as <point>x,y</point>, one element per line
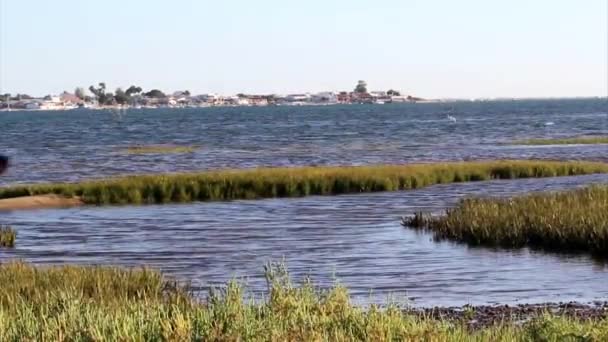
<point>120,96</point>
<point>17,97</point>
<point>361,87</point>
<point>187,93</point>
<point>133,90</point>
<point>100,94</point>
<point>393,92</point>
<point>109,99</point>
<point>20,97</point>
<point>155,93</point>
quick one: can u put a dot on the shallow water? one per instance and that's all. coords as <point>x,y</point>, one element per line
<point>356,239</point>
<point>67,146</point>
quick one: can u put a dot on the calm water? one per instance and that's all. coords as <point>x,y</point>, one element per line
<point>355,239</point>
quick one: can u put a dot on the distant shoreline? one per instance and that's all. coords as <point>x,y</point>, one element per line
<point>433,101</point>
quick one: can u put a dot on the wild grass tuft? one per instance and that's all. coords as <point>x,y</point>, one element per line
<point>7,236</point>
<point>158,149</point>
<point>564,141</point>
<point>296,182</point>
<point>418,220</point>
<point>575,220</point>
<point>71,303</point>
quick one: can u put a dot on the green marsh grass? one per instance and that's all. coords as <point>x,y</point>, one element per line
<point>575,220</point>
<point>159,149</point>
<point>296,182</point>
<point>73,303</point>
<point>7,236</point>
<point>564,141</point>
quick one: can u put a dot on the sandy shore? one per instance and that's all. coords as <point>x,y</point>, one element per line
<point>38,202</point>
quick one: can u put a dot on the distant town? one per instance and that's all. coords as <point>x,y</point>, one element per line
<point>98,97</point>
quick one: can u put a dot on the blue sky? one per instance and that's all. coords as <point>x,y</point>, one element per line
<point>430,48</point>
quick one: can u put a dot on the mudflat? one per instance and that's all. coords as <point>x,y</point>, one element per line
<point>39,202</point>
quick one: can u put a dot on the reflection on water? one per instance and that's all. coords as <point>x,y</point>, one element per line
<point>356,239</point>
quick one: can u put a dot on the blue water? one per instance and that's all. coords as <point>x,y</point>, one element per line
<point>66,146</point>
<point>356,239</point>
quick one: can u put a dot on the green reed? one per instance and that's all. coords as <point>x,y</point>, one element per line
<point>564,141</point>
<point>7,236</point>
<point>575,220</point>
<point>296,182</point>
<point>71,303</point>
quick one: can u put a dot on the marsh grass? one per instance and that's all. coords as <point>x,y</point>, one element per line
<point>296,182</point>
<point>103,285</point>
<point>564,141</point>
<point>158,149</point>
<point>7,236</point>
<point>418,220</point>
<point>70,303</point>
<point>575,220</point>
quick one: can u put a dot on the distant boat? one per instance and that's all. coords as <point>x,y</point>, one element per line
<point>451,118</point>
<point>550,123</point>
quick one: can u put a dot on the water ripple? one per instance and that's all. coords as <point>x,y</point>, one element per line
<point>68,146</point>
<point>356,239</point>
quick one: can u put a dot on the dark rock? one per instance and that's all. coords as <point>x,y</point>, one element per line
<point>476,317</point>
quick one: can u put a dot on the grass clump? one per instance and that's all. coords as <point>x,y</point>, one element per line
<point>159,149</point>
<point>7,236</point>
<point>564,141</point>
<point>296,182</point>
<point>101,285</point>
<point>418,220</point>
<point>575,220</point>
<point>94,304</point>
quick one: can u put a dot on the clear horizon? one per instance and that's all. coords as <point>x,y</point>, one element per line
<point>431,49</point>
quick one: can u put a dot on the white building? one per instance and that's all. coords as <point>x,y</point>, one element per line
<point>326,97</point>
<point>378,93</point>
<point>210,99</point>
<point>33,105</point>
<point>241,101</point>
<point>298,97</point>
<point>55,103</point>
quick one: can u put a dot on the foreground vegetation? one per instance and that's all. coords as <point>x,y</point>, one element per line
<point>564,141</point>
<point>575,220</point>
<point>159,149</point>
<point>97,304</point>
<point>7,236</point>
<point>295,182</point>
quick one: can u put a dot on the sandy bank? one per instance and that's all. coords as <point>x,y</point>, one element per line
<point>38,202</point>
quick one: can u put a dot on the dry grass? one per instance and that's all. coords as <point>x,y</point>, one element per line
<point>575,220</point>
<point>296,182</point>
